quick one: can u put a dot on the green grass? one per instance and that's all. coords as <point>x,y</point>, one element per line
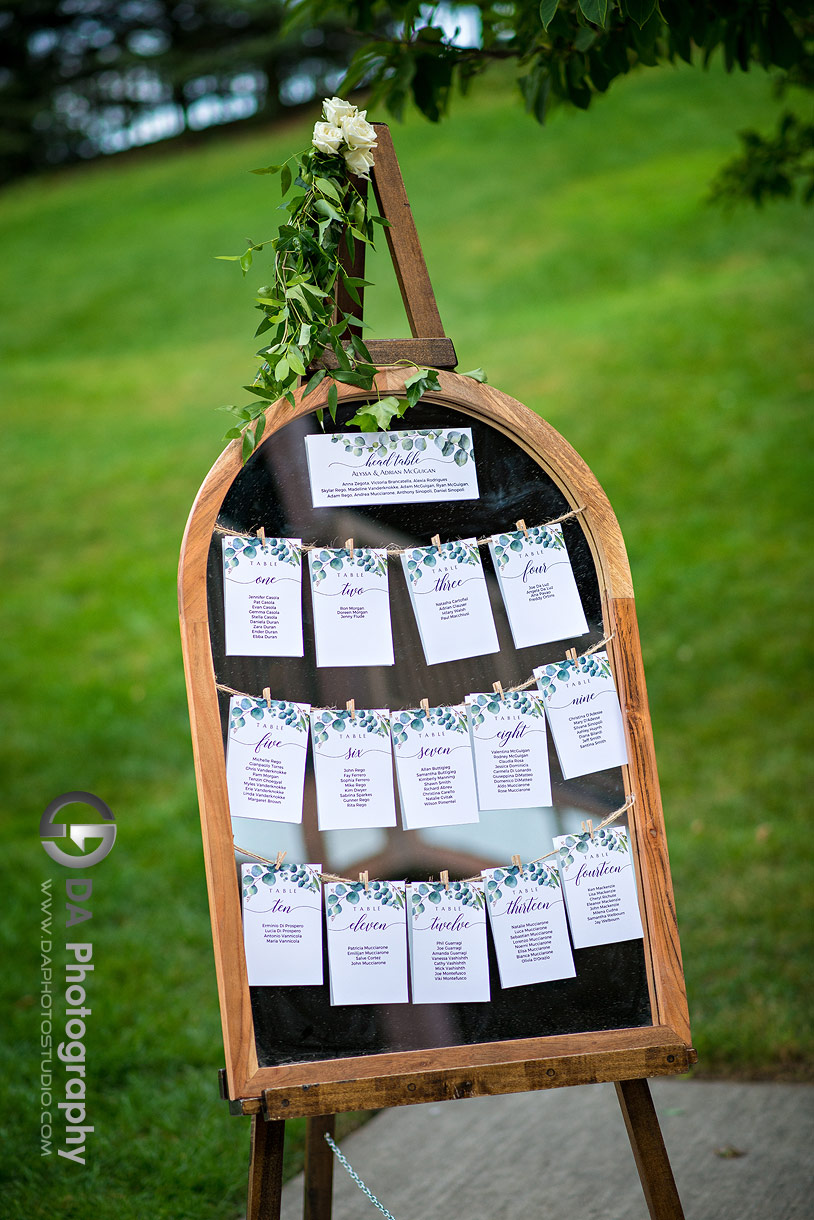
<point>579,265</point>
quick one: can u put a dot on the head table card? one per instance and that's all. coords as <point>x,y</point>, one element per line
<point>351,601</point>
<point>583,713</point>
<point>282,925</point>
<point>510,750</point>
<point>538,586</point>
<point>436,779</point>
<point>600,887</point>
<point>367,942</point>
<point>391,467</point>
<point>529,928</point>
<point>449,963</point>
<point>265,758</point>
<point>450,600</point>
<point>353,765</point>
<point>262,595</point>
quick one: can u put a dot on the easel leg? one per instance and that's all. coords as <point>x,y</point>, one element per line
<point>319,1169</point>
<point>646,1141</point>
<point>265,1170</point>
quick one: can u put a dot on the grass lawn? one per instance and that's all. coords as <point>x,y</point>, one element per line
<point>670,343</point>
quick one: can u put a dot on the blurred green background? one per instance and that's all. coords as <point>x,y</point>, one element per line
<point>579,265</point>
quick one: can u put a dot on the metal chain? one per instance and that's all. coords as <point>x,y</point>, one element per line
<point>345,1163</point>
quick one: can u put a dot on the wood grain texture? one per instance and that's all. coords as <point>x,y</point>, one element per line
<point>662,952</point>
<point>318,1184</point>
<point>265,1170</point>
<point>649,1152</point>
<point>432,353</point>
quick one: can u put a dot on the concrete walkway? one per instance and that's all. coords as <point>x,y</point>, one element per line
<point>738,1151</point>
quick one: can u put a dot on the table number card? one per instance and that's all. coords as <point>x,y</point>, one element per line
<point>538,587</point>
<point>353,765</point>
<point>583,713</point>
<point>600,887</point>
<point>529,928</point>
<point>262,595</point>
<point>351,606</point>
<point>510,750</point>
<point>282,925</point>
<point>436,779</point>
<point>367,942</point>
<point>391,467</point>
<point>265,758</point>
<point>450,601</point>
<point>449,963</point>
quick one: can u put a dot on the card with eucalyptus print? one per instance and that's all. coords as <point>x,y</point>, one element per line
<point>450,600</point>
<point>265,758</point>
<point>412,467</point>
<point>510,750</point>
<point>600,887</point>
<point>351,601</point>
<point>262,596</point>
<point>436,779</point>
<point>529,928</point>
<point>449,962</point>
<point>583,713</point>
<point>537,584</point>
<point>367,942</point>
<point>353,766</point>
<point>282,925</point>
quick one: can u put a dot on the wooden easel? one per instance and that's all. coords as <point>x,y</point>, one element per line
<point>318,1091</point>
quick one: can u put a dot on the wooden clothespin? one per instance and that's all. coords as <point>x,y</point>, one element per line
<point>518,863</point>
<point>498,689</point>
<point>281,855</point>
<point>350,706</point>
<point>571,654</point>
<point>436,541</point>
<point>444,874</point>
<point>521,525</point>
<point>425,706</point>
<point>267,694</point>
<point>349,546</point>
<point>261,534</point>
<point>363,878</point>
<point>588,828</point>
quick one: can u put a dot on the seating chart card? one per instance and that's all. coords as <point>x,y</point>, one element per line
<point>449,963</point>
<point>349,591</point>
<point>538,587</point>
<point>436,779</point>
<point>367,942</point>
<point>353,766</point>
<point>450,600</point>
<point>391,467</point>
<point>583,713</point>
<point>529,928</point>
<point>600,887</point>
<point>262,595</point>
<point>510,749</point>
<point>265,758</point>
<point>282,925</point>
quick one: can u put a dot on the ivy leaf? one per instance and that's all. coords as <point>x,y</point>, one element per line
<point>420,383</point>
<point>547,10</point>
<point>376,416</point>
<point>475,374</point>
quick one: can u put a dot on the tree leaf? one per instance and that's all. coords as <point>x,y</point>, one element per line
<point>547,10</point>
<point>594,10</point>
<point>318,377</point>
<point>475,374</point>
<point>639,11</point>
<point>333,401</point>
<point>285,179</point>
<point>267,169</point>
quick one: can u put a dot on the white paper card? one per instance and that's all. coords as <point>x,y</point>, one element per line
<point>353,765</point>
<point>600,887</point>
<point>282,925</point>
<point>367,942</point>
<point>262,595</point>
<point>538,587</point>
<point>584,714</point>
<point>351,606</point>
<point>449,963</point>
<point>510,750</point>
<point>450,600</point>
<point>265,758</point>
<point>436,779</point>
<point>527,917</point>
<point>391,467</point>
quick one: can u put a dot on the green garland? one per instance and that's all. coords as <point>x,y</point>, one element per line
<point>325,208</point>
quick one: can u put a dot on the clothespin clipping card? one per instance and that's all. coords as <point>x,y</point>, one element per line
<point>261,534</point>
<point>349,545</point>
<point>571,654</point>
<point>363,877</point>
<point>498,689</point>
<point>281,855</point>
<point>436,541</point>
<point>445,877</point>
<point>521,525</point>
<point>350,706</point>
<point>425,706</point>
<point>267,694</point>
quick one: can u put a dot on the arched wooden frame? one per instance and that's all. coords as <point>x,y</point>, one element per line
<point>380,1080</point>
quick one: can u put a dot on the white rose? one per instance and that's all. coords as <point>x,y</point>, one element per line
<point>359,161</point>
<point>334,109</point>
<point>327,138</point>
<point>357,131</point>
